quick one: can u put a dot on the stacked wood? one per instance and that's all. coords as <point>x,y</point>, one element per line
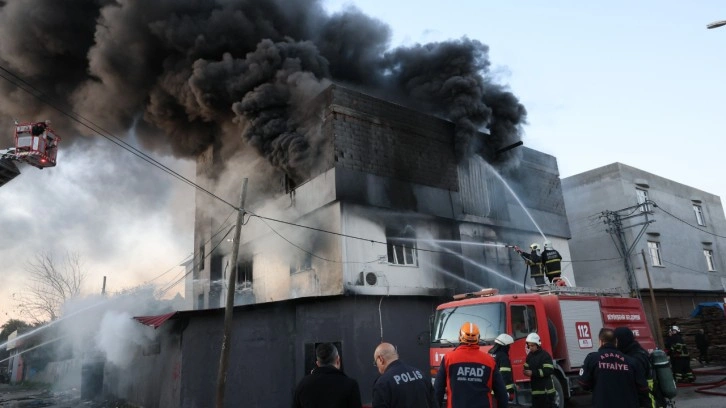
<point>712,321</point>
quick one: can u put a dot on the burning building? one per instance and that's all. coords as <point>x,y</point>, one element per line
<point>389,223</point>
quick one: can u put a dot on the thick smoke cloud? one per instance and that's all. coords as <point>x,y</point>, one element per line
<point>188,68</point>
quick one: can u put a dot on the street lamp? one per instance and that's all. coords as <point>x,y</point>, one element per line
<point>716,24</point>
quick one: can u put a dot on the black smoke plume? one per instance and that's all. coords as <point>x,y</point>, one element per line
<point>182,70</point>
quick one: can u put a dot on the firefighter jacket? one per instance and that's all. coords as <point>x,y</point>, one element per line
<point>675,346</point>
<point>402,385</point>
<point>504,365</point>
<point>540,362</point>
<point>534,262</point>
<point>631,348</point>
<point>551,262</point>
<point>467,376</point>
<point>614,379</point>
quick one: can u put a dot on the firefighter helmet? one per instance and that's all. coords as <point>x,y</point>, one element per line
<point>548,244</point>
<point>534,247</point>
<point>504,339</point>
<point>533,338</point>
<point>469,333</point>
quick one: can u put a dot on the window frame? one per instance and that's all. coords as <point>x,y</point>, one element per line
<point>700,217</point>
<point>658,259</point>
<point>710,262</point>
<point>642,199</point>
<point>404,246</point>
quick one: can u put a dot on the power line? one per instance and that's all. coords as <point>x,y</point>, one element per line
<point>89,124</point>
<point>686,222</point>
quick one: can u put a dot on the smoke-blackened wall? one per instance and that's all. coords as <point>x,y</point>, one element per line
<point>181,71</point>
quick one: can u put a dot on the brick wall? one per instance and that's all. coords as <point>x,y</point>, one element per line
<point>381,138</point>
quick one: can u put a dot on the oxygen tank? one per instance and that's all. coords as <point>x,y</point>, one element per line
<point>663,373</point>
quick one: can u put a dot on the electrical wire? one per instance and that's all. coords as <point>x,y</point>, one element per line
<point>686,222</point>
<point>95,128</point>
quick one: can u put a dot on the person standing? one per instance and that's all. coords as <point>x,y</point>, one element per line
<point>500,352</point>
<point>626,343</point>
<point>400,385</point>
<point>534,263</point>
<point>680,357</point>
<point>467,376</point>
<point>539,368</point>
<point>551,262</point>
<point>614,378</point>
<point>702,344</point>
<point>327,386</point>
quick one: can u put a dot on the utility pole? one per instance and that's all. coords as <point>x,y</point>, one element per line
<point>103,288</point>
<point>659,332</point>
<point>231,286</point>
<point>614,220</point>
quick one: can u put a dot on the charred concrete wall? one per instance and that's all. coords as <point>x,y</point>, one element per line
<point>389,173</point>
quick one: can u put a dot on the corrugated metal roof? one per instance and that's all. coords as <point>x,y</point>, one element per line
<point>154,321</point>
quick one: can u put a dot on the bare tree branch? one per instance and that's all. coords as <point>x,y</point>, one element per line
<point>49,286</point>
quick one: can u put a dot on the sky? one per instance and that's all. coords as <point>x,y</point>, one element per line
<point>639,83</point>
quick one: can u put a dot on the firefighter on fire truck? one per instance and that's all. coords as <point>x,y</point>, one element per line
<point>534,263</point>
<point>551,262</point>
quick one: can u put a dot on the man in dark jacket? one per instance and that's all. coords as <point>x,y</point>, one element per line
<point>680,357</point>
<point>539,368</point>
<point>467,376</point>
<point>327,386</point>
<point>613,377</point>
<point>400,385</point>
<point>626,343</point>
<point>702,344</point>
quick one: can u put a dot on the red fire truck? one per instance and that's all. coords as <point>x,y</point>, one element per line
<point>567,319</point>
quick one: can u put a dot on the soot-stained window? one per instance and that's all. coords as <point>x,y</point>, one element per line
<point>401,246</point>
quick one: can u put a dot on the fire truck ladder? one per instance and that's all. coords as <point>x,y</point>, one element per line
<point>577,290</point>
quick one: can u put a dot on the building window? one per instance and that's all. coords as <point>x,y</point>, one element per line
<point>304,263</point>
<point>699,215</point>
<point>654,250</point>
<point>709,259</point>
<point>244,274</point>
<point>402,247</point>
<point>643,199</point>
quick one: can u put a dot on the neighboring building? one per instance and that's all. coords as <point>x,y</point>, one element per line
<point>680,229</point>
<point>410,226</point>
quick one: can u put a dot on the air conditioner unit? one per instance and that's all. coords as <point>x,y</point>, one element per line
<point>372,279</point>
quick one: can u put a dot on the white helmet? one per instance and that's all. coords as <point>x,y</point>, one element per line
<point>548,245</point>
<point>676,329</point>
<point>504,339</point>
<point>534,247</point>
<point>533,338</point>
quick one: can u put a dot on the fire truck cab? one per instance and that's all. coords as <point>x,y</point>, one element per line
<point>36,144</point>
<point>567,319</point>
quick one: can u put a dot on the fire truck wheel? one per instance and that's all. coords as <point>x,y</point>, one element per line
<point>559,393</point>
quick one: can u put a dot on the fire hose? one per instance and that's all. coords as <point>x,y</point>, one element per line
<point>706,387</point>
